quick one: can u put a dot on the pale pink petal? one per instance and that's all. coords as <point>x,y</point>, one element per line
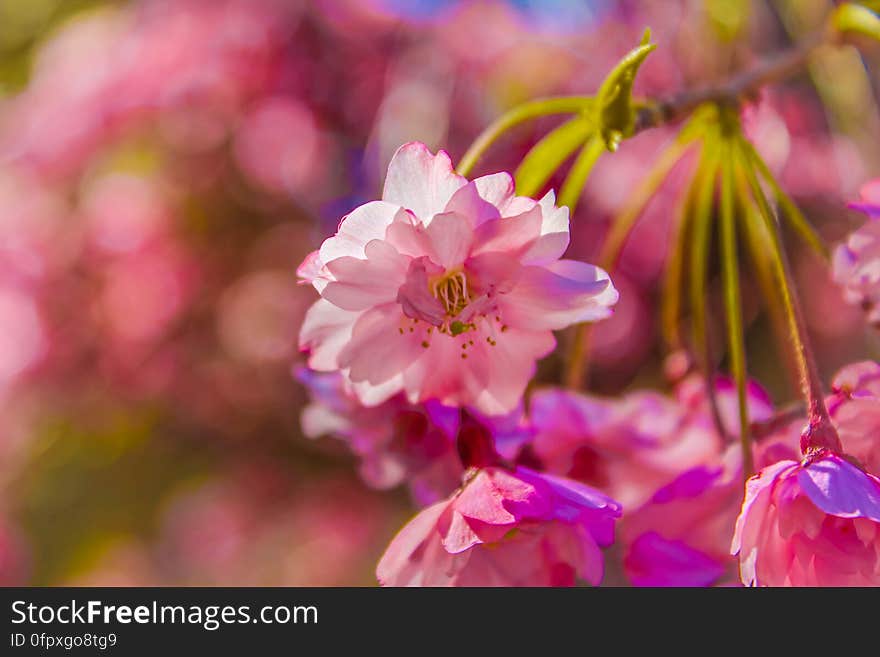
<point>378,349</point>
<point>365,223</point>
<point>509,235</point>
<point>325,331</point>
<point>421,182</point>
<point>310,272</point>
<point>373,394</point>
<point>410,237</point>
<point>318,420</point>
<point>398,556</point>
<point>758,490</point>
<point>459,536</point>
<point>513,365</point>
<point>556,296</point>
<point>554,238</point>
<point>497,189</point>
<point>360,284</point>
<point>451,235</point>
<point>469,203</point>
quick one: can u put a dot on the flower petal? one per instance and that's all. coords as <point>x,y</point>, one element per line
<point>378,349</point>
<point>325,331</point>
<point>468,202</point>
<point>398,558</point>
<point>451,236</point>
<point>653,560</point>
<point>361,284</point>
<point>363,224</point>
<point>839,488</point>
<point>510,235</point>
<point>421,182</point>
<point>558,295</point>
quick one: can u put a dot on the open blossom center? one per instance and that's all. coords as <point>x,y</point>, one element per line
<point>451,290</point>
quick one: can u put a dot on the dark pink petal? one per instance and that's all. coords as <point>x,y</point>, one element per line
<point>415,296</point>
<point>496,497</point>
<point>655,561</point>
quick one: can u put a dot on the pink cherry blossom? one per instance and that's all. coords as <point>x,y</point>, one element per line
<point>505,528</point>
<point>870,199</point>
<point>396,441</point>
<point>856,262</point>
<point>638,443</point>
<point>815,523</point>
<point>855,409</point>
<point>681,536</point>
<point>446,289</point>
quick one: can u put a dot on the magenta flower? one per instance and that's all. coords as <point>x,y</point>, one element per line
<point>396,441</point>
<point>446,289</point>
<point>815,523</point>
<point>681,536</point>
<point>855,409</point>
<point>856,263</point>
<point>634,445</point>
<point>505,528</point>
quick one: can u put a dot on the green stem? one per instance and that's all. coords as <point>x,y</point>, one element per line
<point>820,433</point>
<point>790,211</point>
<point>701,222</point>
<point>580,171</point>
<point>516,116</point>
<point>733,305</point>
<point>576,361</point>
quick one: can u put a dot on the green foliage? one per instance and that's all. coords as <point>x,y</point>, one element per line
<point>616,112</point>
<point>851,18</point>
<point>598,125</point>
<point>551,152</point>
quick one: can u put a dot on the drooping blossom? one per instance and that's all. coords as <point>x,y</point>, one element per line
<point>446,289</point>
<point>856,262</point>
<point>681,535</point>
<point>505,528</point>
<point>634,445</point>
<point>814,523</point>
<point>396,441</point>
<point>854,406</point>
<point>664,459</point>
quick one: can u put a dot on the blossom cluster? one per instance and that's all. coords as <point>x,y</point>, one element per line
<point>437,301</point>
